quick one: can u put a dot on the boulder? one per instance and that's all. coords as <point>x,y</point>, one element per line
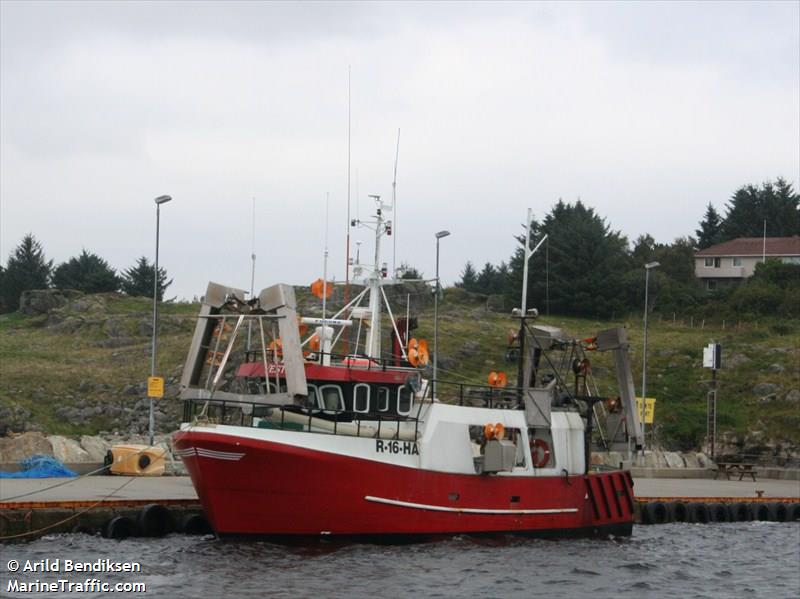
<point>68,451</point>
<point>91,304</point>
<point>95,447</point>
<point>793,396</point>
<point>41,301</point>
<point>674,460</point>
<point>18,447</point>
<point>690,459</point>
<point>764,389</point>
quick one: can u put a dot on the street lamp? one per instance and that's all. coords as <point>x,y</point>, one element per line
<point>647,268</point>
<point>159,200</point>
<point>438,236</point>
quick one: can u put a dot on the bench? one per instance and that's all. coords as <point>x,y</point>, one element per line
<point>728,468</point>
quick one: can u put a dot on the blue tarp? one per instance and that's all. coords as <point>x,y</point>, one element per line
<point>40,466</point>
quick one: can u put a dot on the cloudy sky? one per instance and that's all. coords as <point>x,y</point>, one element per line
<point>645,111</point>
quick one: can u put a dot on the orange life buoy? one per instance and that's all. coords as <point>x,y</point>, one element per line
<point>540,453</point>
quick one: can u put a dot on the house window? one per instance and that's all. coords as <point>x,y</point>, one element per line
<point>791,260</point>
<point>737,261</point>
<point>711,285</point>
<point>713,262</point>
<point>361,398</point>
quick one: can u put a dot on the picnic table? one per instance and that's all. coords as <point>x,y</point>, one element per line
<point>728,468</point>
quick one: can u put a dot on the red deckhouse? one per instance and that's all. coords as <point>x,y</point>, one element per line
<point>285,437</point>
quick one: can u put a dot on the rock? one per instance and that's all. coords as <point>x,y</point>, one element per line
<point>446,363</point>
<point>68,451</point>
<point>114,327</point>
<point>762,389</point>
<point>612,459</point>
<point>92,304</point>
<point>690,459</point>
<point>793,396</point>
<point>70,324</point>
<point>734,360</point>
<point>654,459</point>
<point>95,447</point>
<point>16,448</point>
<point>470,348</point>
<point>14,418</point>
<point>145,327</point>
<point>674,460</point>
<point>42,301</point>
<point>704,461</point>
<point>775,367</point>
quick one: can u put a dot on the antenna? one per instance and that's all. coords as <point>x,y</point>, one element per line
<point>252,269</point>
<point>325,265</point>
<point>347,251</point>
<point>394,206</point>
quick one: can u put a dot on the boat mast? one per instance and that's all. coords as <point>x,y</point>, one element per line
<point>373,348</point>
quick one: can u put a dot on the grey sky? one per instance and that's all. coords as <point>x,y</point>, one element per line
<point>647,111</point>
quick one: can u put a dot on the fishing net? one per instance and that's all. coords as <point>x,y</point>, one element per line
<point>40,466</point>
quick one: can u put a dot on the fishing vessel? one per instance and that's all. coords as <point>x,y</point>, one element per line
<point>333,426</point>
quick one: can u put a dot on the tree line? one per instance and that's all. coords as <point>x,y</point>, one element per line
<point>585,268</point>
<point>27,268</point>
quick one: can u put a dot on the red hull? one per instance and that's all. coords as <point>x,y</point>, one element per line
<point>277,489</point>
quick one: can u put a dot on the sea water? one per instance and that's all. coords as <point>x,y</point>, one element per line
<point>746,559</point>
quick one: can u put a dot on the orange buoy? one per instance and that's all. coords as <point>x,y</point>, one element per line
<point>488,431</point>
<point>313,342</point>
<point>424,356</point>
<point>497,379</point>
<point>499,431</point>
<point>320,287</point>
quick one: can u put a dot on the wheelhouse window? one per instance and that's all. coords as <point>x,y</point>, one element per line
<point>330,399</point>
<point>383,399</point>
<point>404,400</point>
<point>312,396</point>
<point>361,398</point>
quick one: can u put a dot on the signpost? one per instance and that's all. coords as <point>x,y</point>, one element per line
<point>155,387</point>
<point>712,358</point>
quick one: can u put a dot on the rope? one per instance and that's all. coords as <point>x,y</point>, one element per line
<point>67,519</point>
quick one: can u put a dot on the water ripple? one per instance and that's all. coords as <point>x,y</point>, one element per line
<point>675,560</point>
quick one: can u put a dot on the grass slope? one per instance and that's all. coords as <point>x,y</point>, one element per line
<point>96,350</point>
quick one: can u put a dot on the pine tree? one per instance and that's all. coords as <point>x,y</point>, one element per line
<point>776,203</point>
<point>486,279</point>
<point>587,261</point>
<point>469,278</point>
<point>409,272</point>
<point>26,269</point>
<point>87,272</point>
<point>710,229</point>
<point>138,280</point>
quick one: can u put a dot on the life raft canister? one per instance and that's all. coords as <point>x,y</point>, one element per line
<point>540,453</point>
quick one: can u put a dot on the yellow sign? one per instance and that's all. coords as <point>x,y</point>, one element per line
<point>649,409</point>
<point>155,386</point>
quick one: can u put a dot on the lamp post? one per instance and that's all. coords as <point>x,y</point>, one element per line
<point>647,268</point>
<point>159,200</point>
<point>438,236</point>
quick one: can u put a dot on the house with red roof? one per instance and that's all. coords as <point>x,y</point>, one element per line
<point>735,260</point>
